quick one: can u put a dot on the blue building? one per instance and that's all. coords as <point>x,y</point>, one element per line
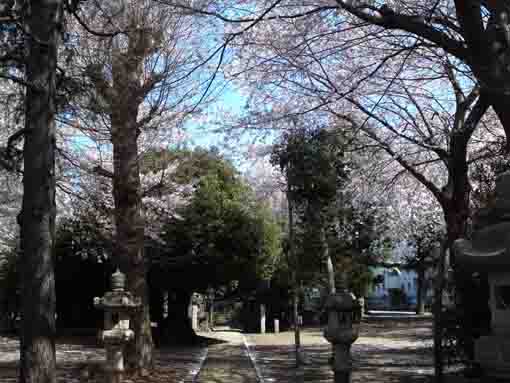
<point>395,287</point>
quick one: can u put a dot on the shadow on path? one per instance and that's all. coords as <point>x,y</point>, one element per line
<point>228,362</point>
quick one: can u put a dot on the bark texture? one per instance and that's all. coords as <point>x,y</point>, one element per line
<point>127,69</point>
<point>37,219</point>
<point>420,290</point>
<point>437,310</point>
<point>130,228</point>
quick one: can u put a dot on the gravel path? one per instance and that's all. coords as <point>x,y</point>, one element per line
<point>386,352</point>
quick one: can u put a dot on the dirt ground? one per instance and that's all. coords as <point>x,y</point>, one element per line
<point>386,352</point>
<point>79,360</point>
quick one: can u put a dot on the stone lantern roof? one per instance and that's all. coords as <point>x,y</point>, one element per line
<point>489,248</point>
<point>118,299</point>
<point>342,300</point>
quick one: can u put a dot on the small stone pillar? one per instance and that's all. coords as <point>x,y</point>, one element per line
<point>262,319</point>
<point>342,330</point>
<point>361,303</point>
<point>117,305</point>
<point>194,317</point>
<point>276,326</point>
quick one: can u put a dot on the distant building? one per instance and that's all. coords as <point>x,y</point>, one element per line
<point>395,286</point>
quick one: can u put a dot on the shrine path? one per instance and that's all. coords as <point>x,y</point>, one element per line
<point>386,352</point>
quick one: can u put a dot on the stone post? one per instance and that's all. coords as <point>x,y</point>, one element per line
<point>194,317</point>
<point>211,316</point>
<point>361,303</point>
<point>276,326</point>
<point>262,319</point>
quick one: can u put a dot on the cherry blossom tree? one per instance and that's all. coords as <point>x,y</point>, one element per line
<point>319,63</point>
<point>137,63</point>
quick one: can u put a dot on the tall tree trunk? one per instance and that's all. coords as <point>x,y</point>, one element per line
<point>127,70</point>
<point>420,290</point>
<point>42,22</point>
<point>211,314</point>
<point>500,104</point>
<point>129,222</point>
<point>438,308</point>
<point>457,211</point>
<point>295,279</point>
<point>297,329</point>
<point>130,233</point>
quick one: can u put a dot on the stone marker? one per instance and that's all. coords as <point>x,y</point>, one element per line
<point>276,326</point>
<point>361,303</point>
<point>262,319</point>
<point>194,317</point>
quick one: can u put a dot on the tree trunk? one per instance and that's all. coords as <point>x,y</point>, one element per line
<point>457,211</point>
<point>438,307</point>
<point>500,104</point>
<point>297,332</point>
<point>211,315</point>
<point>420,290</point>
<point>43,22</point>
<point>127,69</point>
<point>130,233</point>
<point>292,258</point>
<point>129,222</point>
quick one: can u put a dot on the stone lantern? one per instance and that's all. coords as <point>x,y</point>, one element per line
<point>117,304</point>
<point>344,317</point>
<point>489,252</point>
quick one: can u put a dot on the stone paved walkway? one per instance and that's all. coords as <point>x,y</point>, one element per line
<point>227,362</point>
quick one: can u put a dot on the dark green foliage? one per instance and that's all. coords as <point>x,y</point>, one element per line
<point>82,271</point>
<point>222,238</point>
<point>314,165</point>
<point>9,289</point>
<point>315,168</point>
<point>222,228</point>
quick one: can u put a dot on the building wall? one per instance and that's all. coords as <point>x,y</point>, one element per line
<point>379,295</point>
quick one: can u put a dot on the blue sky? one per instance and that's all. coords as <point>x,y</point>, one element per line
<point>204,134</point>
